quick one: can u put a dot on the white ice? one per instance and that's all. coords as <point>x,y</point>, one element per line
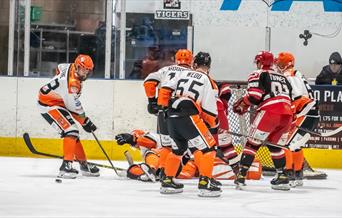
<point>28,189</point>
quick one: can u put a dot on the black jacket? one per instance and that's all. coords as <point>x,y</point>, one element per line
<point>327,76</point>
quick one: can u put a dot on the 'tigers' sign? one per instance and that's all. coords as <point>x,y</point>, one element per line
<point>167,14</point>
<point>171,10</point>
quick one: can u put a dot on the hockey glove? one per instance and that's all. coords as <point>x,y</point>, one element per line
<point>88,126</point>
<point>125,138</point>
<point>152,106</point>
<point>240,106</point>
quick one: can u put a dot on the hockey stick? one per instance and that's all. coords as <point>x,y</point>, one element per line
<point>263,142</point>
<point>104,152</point>
<point>129,158</point>
<point>323,134</point>
<point>34,151</point>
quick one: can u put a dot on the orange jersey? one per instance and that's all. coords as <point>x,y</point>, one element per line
<point>150,140</point>
<point>63,90</point>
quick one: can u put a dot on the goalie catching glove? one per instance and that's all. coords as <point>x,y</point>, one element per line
<point>125,138</point>
<point>88,126</point>
<point>241,106</point>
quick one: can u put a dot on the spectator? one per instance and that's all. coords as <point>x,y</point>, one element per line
<point>168,58</point>
<point>147,65</point>
<point>331,74</point>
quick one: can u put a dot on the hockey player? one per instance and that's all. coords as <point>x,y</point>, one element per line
<point>271,93</point>
<point>59,105</point>
<point>152,84</point>
<point>149,171</point>
<point>150,146</point>
<point>226,150</point>
<point>189,111</point>
<point>307,116</point>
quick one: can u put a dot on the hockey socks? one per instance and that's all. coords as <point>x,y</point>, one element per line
<point>79,152</point>
<point>207,164</point>
<point>172,164</point>
<point>69,147</point>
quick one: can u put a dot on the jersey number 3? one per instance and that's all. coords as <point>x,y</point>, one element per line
<point>51,86</point>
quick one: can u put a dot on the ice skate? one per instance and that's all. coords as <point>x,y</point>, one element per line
<point>89,169</point>
<point>169,186</point>
<point>299,178</point>
<point>66,170</point>
<point>240,181</point>
<point>291,176</point>
<point>280,182</point>
<point>215,182</point>
<point>207,188</point>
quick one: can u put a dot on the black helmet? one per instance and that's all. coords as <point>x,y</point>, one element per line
<point>202,59</point>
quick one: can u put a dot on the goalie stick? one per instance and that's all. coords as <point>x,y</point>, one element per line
<point>34,151</point>
<point>129,158</point>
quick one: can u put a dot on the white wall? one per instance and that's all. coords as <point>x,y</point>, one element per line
<point>234,37</point>
<point>114,106</point>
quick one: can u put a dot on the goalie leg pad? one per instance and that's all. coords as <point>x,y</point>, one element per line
<point>141,172</point>
<point>152,159</point>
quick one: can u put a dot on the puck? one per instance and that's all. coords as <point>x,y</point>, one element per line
<point>58,180</point>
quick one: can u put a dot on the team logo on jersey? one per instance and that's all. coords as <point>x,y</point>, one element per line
<point>284,5</point>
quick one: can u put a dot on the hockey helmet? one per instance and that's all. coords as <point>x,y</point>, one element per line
<point>184,56</point>
<point>202,59</point>
<point>284,61</point>
<point>85,62</point>
<point>84,66</point>
<point>265,59</point>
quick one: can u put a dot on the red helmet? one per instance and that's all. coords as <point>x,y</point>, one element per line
<point>265,58</point>
<point>184,56</point>
<point>284,61</point>
<point>85,62</point>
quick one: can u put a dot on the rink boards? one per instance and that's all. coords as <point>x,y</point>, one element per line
<point>318,158</point>
<point>115,106</point>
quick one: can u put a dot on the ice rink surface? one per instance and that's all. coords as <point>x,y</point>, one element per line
<point>28,189</point>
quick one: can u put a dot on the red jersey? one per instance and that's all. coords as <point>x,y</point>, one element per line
<point>270,91</point>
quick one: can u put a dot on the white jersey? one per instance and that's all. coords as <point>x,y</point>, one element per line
<point>157,79</point>
<point>197,88</point>
<point>299,85</point>
<point>63,90</point>
<point>303,99</point>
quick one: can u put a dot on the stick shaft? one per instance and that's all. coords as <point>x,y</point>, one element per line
<point>104,152</point>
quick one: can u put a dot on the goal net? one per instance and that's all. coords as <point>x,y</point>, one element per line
<point>240,124</point>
